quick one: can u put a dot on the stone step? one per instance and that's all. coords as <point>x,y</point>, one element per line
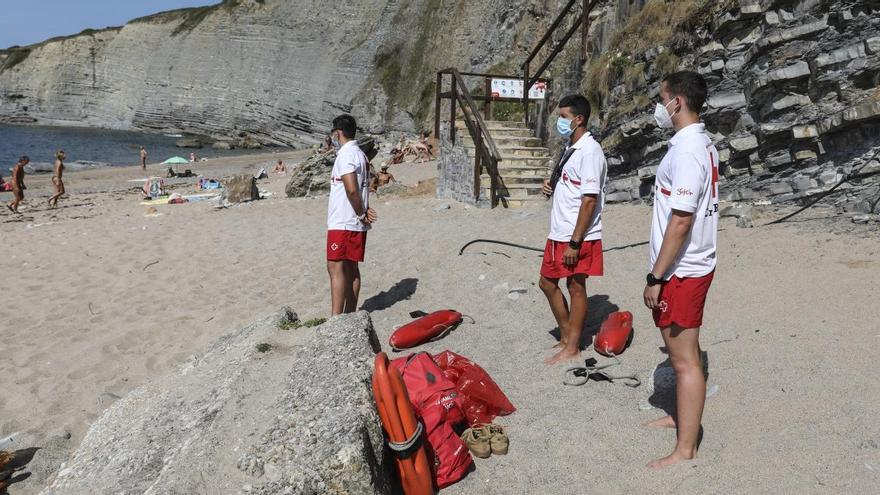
<point>506,171</point>
<point>497,132</point>
<point>521,191</point>
<point>516,179</point>
<point>516,151</point>
<point>494,124</point>
<point>525,202</point>
<point>506,141</point>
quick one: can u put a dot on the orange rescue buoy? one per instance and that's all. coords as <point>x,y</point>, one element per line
<point>424,329</point>
<point>403,429</point>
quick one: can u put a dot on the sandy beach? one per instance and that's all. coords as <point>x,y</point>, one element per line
<point>101,298</point>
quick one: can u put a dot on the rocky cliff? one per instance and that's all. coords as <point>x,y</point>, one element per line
<point>275,70</point>
<point>794,100</point>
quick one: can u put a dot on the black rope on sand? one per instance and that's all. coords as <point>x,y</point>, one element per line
<point>503,243</point>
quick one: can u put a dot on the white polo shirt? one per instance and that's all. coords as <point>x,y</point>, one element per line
<point>583,173</point>
<point>340,215</point>
<point>687,180</point>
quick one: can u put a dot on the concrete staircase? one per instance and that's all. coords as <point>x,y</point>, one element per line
<point>524,166</point>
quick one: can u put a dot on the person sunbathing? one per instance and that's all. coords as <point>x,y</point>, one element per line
<point>279,168</point>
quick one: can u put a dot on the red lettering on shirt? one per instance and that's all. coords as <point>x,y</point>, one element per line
<point>684,192</point>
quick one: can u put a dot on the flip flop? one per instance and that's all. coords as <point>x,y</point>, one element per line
<point>582,374</point>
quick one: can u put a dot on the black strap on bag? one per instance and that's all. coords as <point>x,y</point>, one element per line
<point>557,171</point>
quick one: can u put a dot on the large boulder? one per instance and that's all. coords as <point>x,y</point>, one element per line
<point>295,415</point>
<point>313,175</point>
<point>240,188</point>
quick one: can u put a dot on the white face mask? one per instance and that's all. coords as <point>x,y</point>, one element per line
<point>662,117</point>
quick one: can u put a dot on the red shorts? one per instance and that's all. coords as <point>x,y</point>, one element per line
<point>346,245</point>
<point>589,260</point>
<point>682,301</point>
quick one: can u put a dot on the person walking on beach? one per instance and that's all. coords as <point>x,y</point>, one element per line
<point>143,158</point>
<point>682,251</point>
<point>18,186</point>
<point>574,246</point>
<point>57,179</point>
<point>349,217</point>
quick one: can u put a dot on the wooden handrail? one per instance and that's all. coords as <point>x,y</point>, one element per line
<point>549,33</point>
<point>530,79</point>
<point>462,92</point>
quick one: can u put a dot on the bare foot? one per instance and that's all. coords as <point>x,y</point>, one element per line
<point>562,356</point>
<point>667,422</point>
<point>671,459</point>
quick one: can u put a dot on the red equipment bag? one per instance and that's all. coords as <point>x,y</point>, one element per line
<point>614,334</point>
<point>436,401</point>
<point>480,398</point>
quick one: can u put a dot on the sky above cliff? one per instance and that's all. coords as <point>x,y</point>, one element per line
<point>24,22</point>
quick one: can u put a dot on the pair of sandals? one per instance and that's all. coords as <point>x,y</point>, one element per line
<point>485,440</point>
<point>580,375</point>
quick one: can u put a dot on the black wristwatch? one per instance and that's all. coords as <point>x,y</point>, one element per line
<point>574,244</point>
<point>652,280</point>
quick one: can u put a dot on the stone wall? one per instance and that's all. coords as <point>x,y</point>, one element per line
<point>298,417</point>
<point>456,172</point>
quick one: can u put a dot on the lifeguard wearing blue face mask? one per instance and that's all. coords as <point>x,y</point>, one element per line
<point>565,126</point>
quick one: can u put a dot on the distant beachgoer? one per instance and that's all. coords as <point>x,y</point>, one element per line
<point>279,168</point>
<point>193,158</point>
<point>349,217</point>
<point>384,178</point>
<point>423,148</point>
<point>143,158</point>
<point>18,186</point>
<point>57,178</point>
<point>328,144</point>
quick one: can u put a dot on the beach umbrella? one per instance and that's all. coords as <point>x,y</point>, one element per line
<point>174,160</point>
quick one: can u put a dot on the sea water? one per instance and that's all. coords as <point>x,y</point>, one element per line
<point>90,148</point>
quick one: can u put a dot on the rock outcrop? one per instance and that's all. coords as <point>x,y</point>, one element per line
<point>313,175</point>
<point>275,70</point>
<point>265,410</point>
<point>793,104</point>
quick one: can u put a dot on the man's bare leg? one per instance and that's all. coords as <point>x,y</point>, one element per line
<point>353,286</point>
<point>683,345</point>
<point>338,284</point>
<point>572,349</point>
<point>558,305</point>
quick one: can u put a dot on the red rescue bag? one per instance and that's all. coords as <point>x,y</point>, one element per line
<point>436,401</point>
<point>614,334</point>
<point>480,397</point>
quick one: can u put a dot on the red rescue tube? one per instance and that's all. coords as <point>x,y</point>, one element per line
<point>614,333</point>
<point>424,329</point>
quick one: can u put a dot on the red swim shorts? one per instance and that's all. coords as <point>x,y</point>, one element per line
<point>589,260</point>
<point>346,245</point>
<point>682,301</point>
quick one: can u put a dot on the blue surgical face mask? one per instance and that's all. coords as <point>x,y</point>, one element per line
<point>563,127</point>
<point>335,140</point>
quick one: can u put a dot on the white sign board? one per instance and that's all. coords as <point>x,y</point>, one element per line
<point>513,88</point>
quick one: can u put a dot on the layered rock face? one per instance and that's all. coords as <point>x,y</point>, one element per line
<point>794,103</point>
<point>275,70</point>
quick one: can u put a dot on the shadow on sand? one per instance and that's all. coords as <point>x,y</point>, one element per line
<point>599,307</point>
<point>398,292</point>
